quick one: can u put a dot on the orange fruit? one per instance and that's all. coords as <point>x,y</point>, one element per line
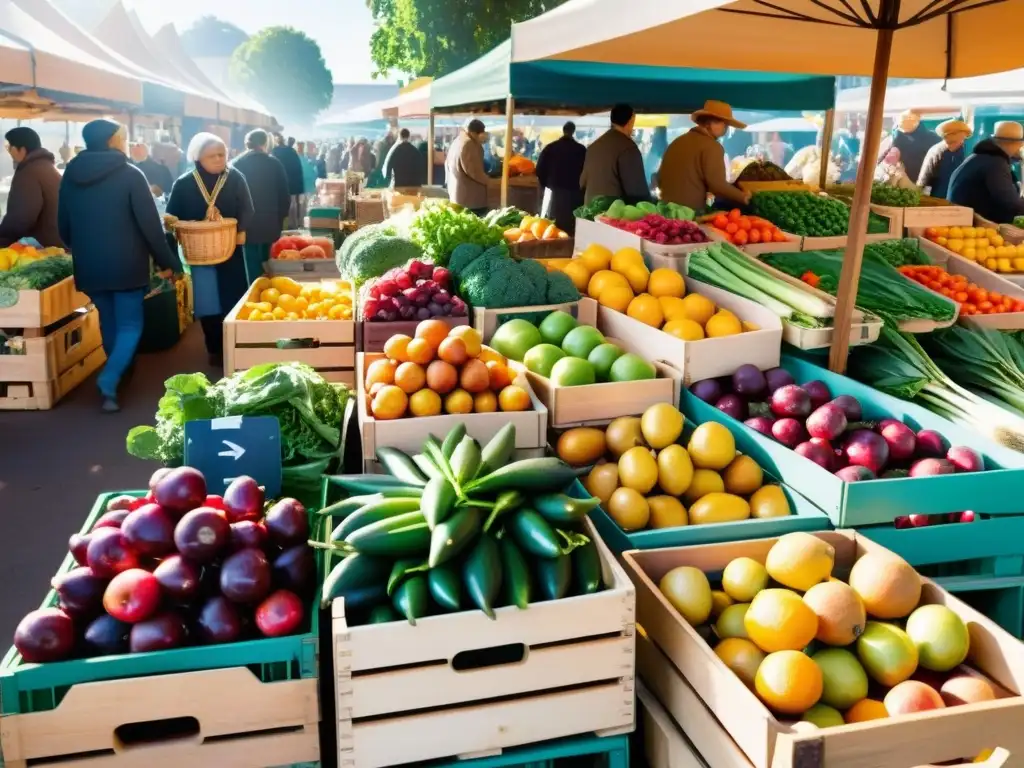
<point>742,657</point>
<point>485,402</point>
<point>453,351</point>
<point>410,377</point>
<point>433,331</point>
<point>396,348</point>
<point>779,620</point>
<point>788,682</point>
<point>499,375</point>
<point>666,282</point>
<point>864,710</point>
<point>459,401</point>
<point>442,377</point>
<point>381,371</point>
<point>420,351</point>
<point>474,377</point>
<point>426,402</point>
<point>514,398</point>
<point>617,297</point>
<point>489,355</point>
<point>647,310</point>
<point>390,402</point>
<point>470,337</point>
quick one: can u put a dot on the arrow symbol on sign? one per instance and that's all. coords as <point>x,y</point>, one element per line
<point>234,450</point>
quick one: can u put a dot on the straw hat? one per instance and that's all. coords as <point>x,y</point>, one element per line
<point>719,110</point>
<point>1008,131</point>
<point>953,126</point>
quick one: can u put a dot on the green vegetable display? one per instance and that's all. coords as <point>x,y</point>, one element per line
<point>981,359</point>
<point>898,253</point>
<point>372,250</point>
<point>623,212</point>
<point>594,208</point>
<point>440,228</point>
<point>884,194</point>
<point>475,530</point>
<point>33,277</point>
<point>505,218</point>
<point>809,214</point>
<point>492,278</point>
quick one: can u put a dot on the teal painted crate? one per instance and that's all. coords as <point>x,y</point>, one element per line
<point>996,491</point>
<point>982,562</point>
<point>34,698</point>
<point>605,751</point>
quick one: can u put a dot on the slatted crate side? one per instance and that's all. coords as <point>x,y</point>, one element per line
<point>44,395</point>
<point>38,309</point>
<point>46,357</point>
<point>665,746</point>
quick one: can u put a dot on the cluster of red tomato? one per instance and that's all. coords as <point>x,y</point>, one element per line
<point>740,230</point>
<point>973,299</point>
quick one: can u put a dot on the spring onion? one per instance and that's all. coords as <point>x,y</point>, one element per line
<point>740,265</point>
<point>979,358</point>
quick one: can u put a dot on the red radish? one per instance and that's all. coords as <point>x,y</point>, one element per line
<point>920,521</point>
<point>851,407</point>
<point>818,392</point>
<point>866,449</point>
<point>181,490</point>
<point>149,530</point>
<point>965,459</point>
<point>132,596</point>
<point>46,634</point>
<point>762,424</point>
<point>816,453</point>
<point>109,553</point>
<point>855,474</point>
<point>901,522</point>
<point>80,592</point>
<point>791,401</point>
<point>789,432</point>
<point>827,422</point>
<point>161,632</point>
<point>967,517</point>
<point>930,444</point>
<point>928,467</point>
<point>280,614</point>
<point>901,439</point>
<point>178,578</point>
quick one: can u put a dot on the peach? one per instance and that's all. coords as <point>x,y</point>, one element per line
<point>442,377</point>
<point>453,351</point>
<point>474,377</point>
<point>410,377</point>
<point>912,696</point>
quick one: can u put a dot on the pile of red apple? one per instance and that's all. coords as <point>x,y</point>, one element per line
<point>417,291</point>
<point>178,567</point>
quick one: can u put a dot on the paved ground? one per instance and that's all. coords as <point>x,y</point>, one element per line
<point>53,465</point>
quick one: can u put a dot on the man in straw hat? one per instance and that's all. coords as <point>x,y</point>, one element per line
<point>913,141</point>
<point>984,181</point>
<point>694,164</point>
<point>944,158</point>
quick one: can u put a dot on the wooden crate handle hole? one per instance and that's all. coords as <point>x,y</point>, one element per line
<point>486,658</point>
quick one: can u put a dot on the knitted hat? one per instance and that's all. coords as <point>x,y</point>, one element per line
<point>97,133</point>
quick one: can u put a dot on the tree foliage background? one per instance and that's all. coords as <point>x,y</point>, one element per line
<point>212,37</point>
<point>435,37</point>
<point>283,69</point>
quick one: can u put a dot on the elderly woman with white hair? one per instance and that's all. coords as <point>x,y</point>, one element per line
<point>218,288</point>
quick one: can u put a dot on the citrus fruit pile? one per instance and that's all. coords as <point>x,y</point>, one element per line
<point>979,244</point>
<point>646,479</point>
<point>281,298</point>
<point>826,651</point>
<point>440,369</point>
<point>621,281</point>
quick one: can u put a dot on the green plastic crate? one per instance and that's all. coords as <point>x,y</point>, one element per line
<point>982,562</point>
<point>29,688</point>
<point>607,751</point>
<point>849,505</point>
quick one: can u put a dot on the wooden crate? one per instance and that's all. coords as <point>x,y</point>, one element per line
<point>214,717</point>
<point>43,395</point>
<point>655,255</point>
<point>369,210</point>
<point>303,269</point>
<point>939,735</point>
<point>543,249</point>
<point>38,309</point>
<point>665,746</point>
<point>400,699</point>
<point>329,346</point>
<point>486,320</point>
<point>407,434</point>
<point>45,358</point>
<point>373,335</point>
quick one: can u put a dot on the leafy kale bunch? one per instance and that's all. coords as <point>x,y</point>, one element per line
<point>439,228</point>
<point>809,214</point>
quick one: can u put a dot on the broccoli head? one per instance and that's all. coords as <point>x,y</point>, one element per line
<point>500,285</point>
<point>561,288</point>
<point>462,257</point>
<point>535,277</point>
<point>482,264</point>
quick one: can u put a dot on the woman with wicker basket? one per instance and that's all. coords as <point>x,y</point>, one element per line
<point>212,208</point>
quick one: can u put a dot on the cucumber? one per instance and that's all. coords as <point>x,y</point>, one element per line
<point>586,566</point>
<point>553,577</point>
<point>412,598</point>
<point>355,572</point>
<point>399,536</point>
<point>402,570</point>
<point>445,587</point>
<point>400,464</point>
<point>454,535</point>
<point>383,614</point>
<point>518,582</point>
<point>533,533</point>
<point>369,483</point>
<point>498,451</point>
<point>559,509</point>
<point>465,460</point>
<point>536,475</point>
<point>426,466</point>
<point>452,439</point>
<point>438,500</point>
<point>434,454</point>
<point>481,574</point>
<point>373,513</point>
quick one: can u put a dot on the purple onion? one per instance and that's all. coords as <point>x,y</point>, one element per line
<point>791,401</point>
<point>827,422</point>
<point>777,378</point>
<point>930,444</point>
<point>901,439</point>
<point>965,459</point>
<point>851,407</point>
<point>929,467</point>
<point>733,405</point>
<point>708,390</point>
<point>818,391</point>
<point>855,474</point>
<point>866,449</point>
<point>748,381</point>
<point>817,453</point>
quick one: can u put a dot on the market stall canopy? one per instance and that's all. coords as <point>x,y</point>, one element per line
<point>15,62</point>
<point>927,96</point>
<point>587,86</point>
<point>414,102</point>
<point>806,36</point>
<point>58,67</point>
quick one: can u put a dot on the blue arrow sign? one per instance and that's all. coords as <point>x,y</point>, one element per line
<point>232,446</point>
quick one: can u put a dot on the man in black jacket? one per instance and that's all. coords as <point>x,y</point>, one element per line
<point>404,165</point>
<point>984,181</point>
<point>268,185</point>
<point>157,174</point>
<point>559,169</point>
<point>32,204</point>
<point>289,158</point>
<point>108,218</point>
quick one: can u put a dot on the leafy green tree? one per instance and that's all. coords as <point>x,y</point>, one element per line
<point>435,37</point>
<point>212,37</point>
<point>283,69</point>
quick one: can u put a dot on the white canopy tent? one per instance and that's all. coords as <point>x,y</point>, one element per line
<point>15,62</point>
<point>414,103</point>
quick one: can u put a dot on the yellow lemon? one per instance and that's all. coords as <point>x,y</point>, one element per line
<point>672,307</point>
<point>602,280</point>
<point>286,302</point>
<point>279,313</point>
<point>996,240</point>
<point>698,308</point>
<point>596,257</point>
<point>301,304</point>
<point>578,273</point>
<point>990,233</point>
<point>624,257</point>
<point>666,282</point>
<point>647,310</point>
<point>991,263</point>
<point>286,285</point>
<point>984,242</point>
<point>265,306</point>
<point>254,314</point>
<point>637,275</point>
<point>1018,264</point>
<point>723,323</point>
<point>1004,265</point>
<point>956,232</point>
<point>941,240</point>
<point>617,297</point>
<point>1020,249</point>
<point>970,253</point>
<point>270,295</point>
<point>684,329</point>
<point>970,231</point>
<point>292,316</point>
<point>955,244</point>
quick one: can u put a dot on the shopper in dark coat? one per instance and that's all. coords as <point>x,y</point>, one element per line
<point>157,174</point>
<point>108,218</point>
<point>404,166</point>
<point>614,165</point>
<point>913,141</point>
<point>268,186</point>
<point>289,158</point>
<point>984,181</point>
<point>32,203</point>
<point>218,288</point>
<point>559,169</point>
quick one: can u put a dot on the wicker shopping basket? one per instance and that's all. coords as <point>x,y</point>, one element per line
<point>212,241</point>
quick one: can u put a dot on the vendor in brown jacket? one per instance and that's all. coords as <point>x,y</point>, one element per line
<point>694,164</point>
<point>32,204</point>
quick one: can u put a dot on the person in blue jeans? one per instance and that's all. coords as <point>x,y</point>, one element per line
<point>108,219</point>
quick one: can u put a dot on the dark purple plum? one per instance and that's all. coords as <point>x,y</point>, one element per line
<point>965,459</point>
<point>109,553</point>
<point>161,632</point>
<point>865,448</point>
<point>901,439</point>
<point>287,523</point>
<point>762,424</point>
<point>245,577</point>
<point>930,444</point>
<point>78,546</point>
<point>855,474</point>
<point>818,392</point>
<point>179,578</point>
<point>46,634</point>
<point>247,533</point>
<point>180,490</point>
<point>149,530</point>
<point>826,421</point>
<point>243,499</point>
<point>791,401</point>
<point>928,467</point>
<point>106,636</point>
<point>851,407</point>
<point>708,390</point>
<point>734,405</point>
<point>789,432</point>
<point>80,592</point>
<point>817,453</point>
<point>295,569</point>
<point>749,382</point>
<point>777,378</point>
<point>219,621</point>
<point>201,534</point>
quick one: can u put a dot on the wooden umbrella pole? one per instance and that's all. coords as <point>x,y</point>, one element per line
<point>510,106</point>
<point>430,149</point>
<point>826,146</point>
<point>858,229</point>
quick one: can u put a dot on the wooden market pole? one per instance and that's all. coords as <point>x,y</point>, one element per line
<point>888,17</point>
<point>826,146</point>
<point>510,105</point>
<point>430,149</point>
